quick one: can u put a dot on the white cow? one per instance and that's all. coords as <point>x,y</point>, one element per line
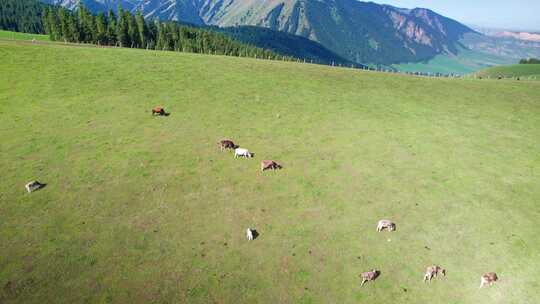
<point>242,152</point>
<point>386,224</point>
<point>33,186</point>
<point>249,234</point>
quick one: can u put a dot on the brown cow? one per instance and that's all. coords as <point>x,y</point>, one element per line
<point>369,276</point>
<point>158,110</point>
<point>227,144</point>
<point>488,278</point>
<point>433,271</point>
<point>269,165</point>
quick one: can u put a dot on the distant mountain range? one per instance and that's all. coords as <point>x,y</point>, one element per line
<point>503,42</point>
<point>361,32</point>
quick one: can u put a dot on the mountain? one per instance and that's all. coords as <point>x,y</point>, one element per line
<point>284,43</point>
<point>519,35</point>
<point>501,45</point>
<point>358,31</point>
<point>362,32</point>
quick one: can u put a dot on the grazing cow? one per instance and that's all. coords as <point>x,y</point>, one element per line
<point>433,271</point>
<point>249,234</point>
<point>242,152</point>
<point>158,110</point>
<point>488,278</point>
<point>369,276</point>
<point>227,144</point>
<point>269,165</point>
<point>386,224</point>
<point>33,186</point>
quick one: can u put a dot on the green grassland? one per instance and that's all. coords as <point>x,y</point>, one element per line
<point>465,62</point>
<point>142,209</point>
<point>526,71</point>
<point>22,36</point>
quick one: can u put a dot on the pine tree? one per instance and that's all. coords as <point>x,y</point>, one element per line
<point>101,29</point>
<point>133,31</point>
<point>122,29</point>
<point>152,35</point>
<point>87,25</point>
<point>142,29</point>
<point>52,24</point>
<point>161,42</point>
<point>64,27</point>
<point>73,29</point>
<point>111,28</point>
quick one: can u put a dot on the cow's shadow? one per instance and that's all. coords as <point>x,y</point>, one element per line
<point>41,186</point>
<point>255,234</point>
<point>242,156</point>
<point>161,114</point>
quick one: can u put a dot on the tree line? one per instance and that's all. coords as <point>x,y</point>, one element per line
<point>529,61</point>
<point>125,29</point>
<point>21,16</point>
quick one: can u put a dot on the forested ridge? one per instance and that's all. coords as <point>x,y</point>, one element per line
<point>122,29</point>
<point>21,16</point>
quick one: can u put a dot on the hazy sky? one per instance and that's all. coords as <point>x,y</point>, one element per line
<point>512,14</point>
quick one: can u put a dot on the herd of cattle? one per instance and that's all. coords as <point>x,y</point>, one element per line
<point>241,152</point>
<point>227,144</point>
<point>431,271</point>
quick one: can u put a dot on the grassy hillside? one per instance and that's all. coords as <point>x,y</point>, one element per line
<point>518,70</point>
<point>467,61</point>
<point>22,36</point>
<point>142,209</point>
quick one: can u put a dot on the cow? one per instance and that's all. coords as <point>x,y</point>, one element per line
<point>433,271</point>
<point>158,110</point>
<point>369,276</point>
<point>227,144</point>
<point>386,224</point>
<point>249,234</point>
<point>242,152</point>
<point>33,186</point>
<point>488,278</point>
<point>269,165</point>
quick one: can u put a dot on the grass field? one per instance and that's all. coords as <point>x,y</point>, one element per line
<point>526,71</point>
<point>142,209</point>
<point>467,61</point>
<point>22,36</point>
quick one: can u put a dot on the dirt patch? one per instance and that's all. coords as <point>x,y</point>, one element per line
<point>284,266</point>
<point>13,289</point>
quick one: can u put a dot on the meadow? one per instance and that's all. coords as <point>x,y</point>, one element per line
<point>525,71</point>
<point>465,62</point>
<point>142,209</point>
<point>8,35</point>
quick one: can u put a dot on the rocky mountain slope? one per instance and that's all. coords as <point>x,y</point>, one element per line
<point>358,31</point>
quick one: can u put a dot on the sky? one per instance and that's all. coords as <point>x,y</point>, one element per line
<point>502,14</point>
